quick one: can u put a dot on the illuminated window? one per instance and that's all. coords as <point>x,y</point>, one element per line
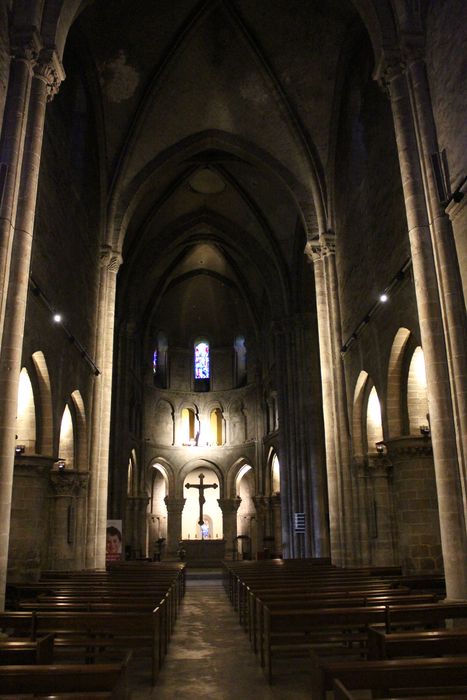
<point>154,362</point>
<point>240,361</point>
<point>202,360</point>
<point>160,361</point>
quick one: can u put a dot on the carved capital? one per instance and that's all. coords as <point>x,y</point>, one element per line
<point>313,250</point>
<point>110,258</point>
<point>390,67</point>
<point>229,505</point>
<point>25,44</point>
<point>68,483</point>
<point>328,243</point>
<point>174,505</point>
<point>50,70</point>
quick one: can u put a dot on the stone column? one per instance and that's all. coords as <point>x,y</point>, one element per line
<point>262,522</point>
<point>25,50</point>
<point>102,395</point>
<point>174,524</point>
<point>229,507</point>
<point>45,82</point>
<point>381,528</point>
<point>276,524</point>
<point>445,256</point>
<point>28,531</point>
<point>135,523</point>
<point>66,487</point>
<point>416,505</point>
<point>341,510</point>
<point>443,432</point>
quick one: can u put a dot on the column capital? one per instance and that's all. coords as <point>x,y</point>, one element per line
<point>413,47</point>
<point>313,250</point>
<point>174,505</point>
<point>229,504</point>
<point>25,44</point>
<point>319,248</point>
<point>390,67</point>
<point>110,258</point>
<point>68,483</point>
<point>50,70</point>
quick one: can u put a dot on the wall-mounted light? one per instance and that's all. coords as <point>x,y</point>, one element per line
<point>60,464</point>
<point>20,449</point>
<point>425,430</point>
<point>57,318</point>
<point>383,298</point>
<point>380,448</point>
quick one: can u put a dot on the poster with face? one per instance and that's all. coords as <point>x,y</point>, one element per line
<point>113,547</point>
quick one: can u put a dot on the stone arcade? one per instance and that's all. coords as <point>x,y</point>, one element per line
<point>215,196</point>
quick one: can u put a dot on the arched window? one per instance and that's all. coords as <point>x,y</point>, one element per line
<point>275,475</point>
<point>189,432</point>
<point>417,401</point>
<point>374,428</point>
<point>201,365</point>
<point>26,416</point>
<point>159,361</point>
<point>240,375</point>
<point>66,449</point>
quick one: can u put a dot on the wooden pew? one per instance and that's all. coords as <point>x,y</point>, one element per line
<point>95,633</point>
<point>435,678</point>
<point>21,651</point>
<point>294,627</point>
<point>383,645</point>
<point>74,679</point>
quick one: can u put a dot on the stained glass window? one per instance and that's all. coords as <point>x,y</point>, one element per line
<point>202,360</point>
<point>154,362</point>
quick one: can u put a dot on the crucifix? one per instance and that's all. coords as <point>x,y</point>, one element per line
<point>201,487</point>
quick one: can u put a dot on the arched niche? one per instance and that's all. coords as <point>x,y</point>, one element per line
<point>66,447</point>
<point>357,415</point>
<point>132,475</point>
<point>25,416</point>
<point>275,474</point>
<point>417,399</point>
<point>245,490</point>
<point>81,438</point>
<point>216,427</point>
<point>159,489</point>
<point>367,420</point>
<point>394,391</point>
<point>374,426</point>
<point>212,514</point>
<point>45,432</point>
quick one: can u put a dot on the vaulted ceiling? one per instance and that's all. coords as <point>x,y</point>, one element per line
<point>218,124</point>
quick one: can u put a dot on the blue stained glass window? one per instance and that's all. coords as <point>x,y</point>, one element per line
<point>154,361</point>
<point>202,360</point>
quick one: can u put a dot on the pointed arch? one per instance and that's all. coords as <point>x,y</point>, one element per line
<point>358,414</point>
<point>25,415</point>
<point>417,398</point>
<point>81,440</point>
<point>394,390</point>
<point>66,445</point>
<point>374,425</point>
<point>45,436</point>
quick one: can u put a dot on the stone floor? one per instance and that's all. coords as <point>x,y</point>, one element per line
<point>210,657</point>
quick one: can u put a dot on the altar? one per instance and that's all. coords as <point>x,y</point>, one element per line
<point>205,550</point>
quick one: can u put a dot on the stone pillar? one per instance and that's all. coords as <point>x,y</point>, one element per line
<point>64,538</point>
<point>135,524</point>
<point>381,527</point>
<point>229,507</point>
<point>445,255</point>
<point>443,432</point>
<point>174,524</point>
<point>343,530</point>
<point>416,505</point>
<point>28,531</point>
<point>102,394</point>
<point>262,522</point>
<point>25,50</point>
<point>277,524</point>
<point>46,79</point>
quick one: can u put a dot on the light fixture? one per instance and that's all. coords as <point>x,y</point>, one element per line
<point>379,448</point>
<point>57,318</point>
<point>20,449</point>
<point>60,464</point>
<point>383,298</point>
<point>425,430</point>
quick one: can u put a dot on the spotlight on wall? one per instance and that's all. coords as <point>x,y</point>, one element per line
<point>379,448</point>
<point>20,449</point>
<point>383,298</point>
<point>60,464</point>
<point>57,318</point>
<point>425,430</point>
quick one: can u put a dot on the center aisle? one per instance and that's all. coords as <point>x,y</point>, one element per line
<point>210,657</point>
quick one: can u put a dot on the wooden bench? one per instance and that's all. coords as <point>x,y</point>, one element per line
<point>94,634</point>
<point>383,645</point>
<point>434,678</point>
<point>74,679</point>
<point>285,628</point>
<point>20,651</point>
